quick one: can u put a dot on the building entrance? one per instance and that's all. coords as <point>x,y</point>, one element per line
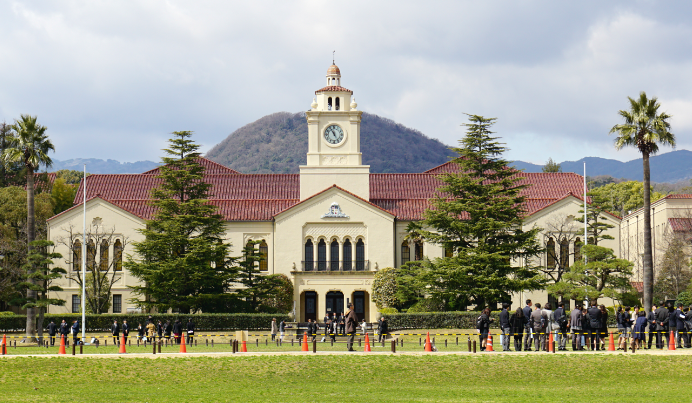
<point>335,302</point>
<point>359,304</point>
<point>310,305</point>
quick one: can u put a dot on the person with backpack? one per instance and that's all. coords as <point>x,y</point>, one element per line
<point>505,327</point>
<point>561,322</point>
<point>538,326</point>
<point>483,326</point>
<point>517,323</point>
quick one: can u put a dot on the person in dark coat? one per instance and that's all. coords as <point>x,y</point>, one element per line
<point>52,330</point>
<point>383,329</point>
<point>576,327</point>
<point>517,324</point>
<point>190,331</point>
<point>342,324</point>
<point>115,332</point>
<point>561,320</point>
<point>688,327</point>
<point>484,327</point>
<point>527,326</point>
<point>639,334</point>
<point>64,330</point>
<point>126,330</point>
<point>351,326</point>
<point>505,327</point>
<point>167,330</point>
<point>679,325</point>
<point>662,318</point>
<point>538,326</point>
<point>177,331</point>
<point>603,330</point>
<point>595,324</point>
<point>651,324</point>
<point>586,327</point>
<point>140,332</point>
<point>75,331</point>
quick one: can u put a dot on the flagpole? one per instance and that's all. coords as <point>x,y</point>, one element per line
<point>586,234</point>
<point>84,258</point>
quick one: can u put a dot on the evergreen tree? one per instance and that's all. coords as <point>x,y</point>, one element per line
<point>183,262</point>
<point>596,219</point>
<point>551,166</point>
<point>258,287</point>
<point>477,215</point>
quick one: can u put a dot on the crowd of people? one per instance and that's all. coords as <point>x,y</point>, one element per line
<point>587,328</point>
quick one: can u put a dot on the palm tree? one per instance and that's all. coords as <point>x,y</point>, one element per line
<point>645,128</point>
<point>29,146</point>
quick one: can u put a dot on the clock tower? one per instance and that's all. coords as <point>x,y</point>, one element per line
<point>334,156</point>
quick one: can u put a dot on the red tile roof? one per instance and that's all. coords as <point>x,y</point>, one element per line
<point>680,224</point>
<point>345,191</point>
<point>680,196</point>
<point>210,166</point>
<point>334,88</point>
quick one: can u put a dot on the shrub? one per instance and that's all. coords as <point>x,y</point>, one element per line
<point>384,288</point>
<point>427,305</point>
<point>388,311</point>
<point>6,313</point>
<point>685,298</point>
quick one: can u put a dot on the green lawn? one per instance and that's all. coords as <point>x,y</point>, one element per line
<point>426,378</point>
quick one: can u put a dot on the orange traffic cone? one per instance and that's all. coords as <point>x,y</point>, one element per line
<point>489,344</point>
<point>305,341</point>
<point>611,344</point>
<point>551,345</point>
<point>122,345</point>
<point>3,348</point>
<point>62,345</point>
<point>671,341</point>
<point>367,343</point>
<point>243,348</point>
<point>428,345</point>
<point>183,349</point>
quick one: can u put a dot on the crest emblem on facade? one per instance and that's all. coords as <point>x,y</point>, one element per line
<point>335,212</point>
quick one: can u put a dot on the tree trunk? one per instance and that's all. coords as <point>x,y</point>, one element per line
<point>648,266</point>
<point>30,294</point>
<point>40,325</point>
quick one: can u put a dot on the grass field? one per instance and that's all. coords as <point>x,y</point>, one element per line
<point>425,378</point>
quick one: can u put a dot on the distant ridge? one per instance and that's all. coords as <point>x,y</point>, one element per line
<point>671,167</point>
<point>278,143</point>
<point>98,166</point>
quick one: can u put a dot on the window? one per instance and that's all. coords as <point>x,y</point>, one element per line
<point>577,249</point>
<point>329,103</point>
<point>91,255</point>
<point>405,253</point>
<point>550,251</point>
<point>564,254</point>
<point>347,255</point>
<point>117,303</point>
<point>322,255</point>
<point>103,256</point>
<point>448,251</point>
<point>418,250</point>
<point>336,103</point>
<point>77,256</point>
<point>264,252</point>
<point>360,255</point>
<point>76,303</point>
<point>334,255</point>
<point>309,257</point>
<point>118,255</point>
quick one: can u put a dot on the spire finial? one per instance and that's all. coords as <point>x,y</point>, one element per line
<point>334,51</point>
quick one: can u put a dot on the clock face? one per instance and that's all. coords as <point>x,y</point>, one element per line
<point>333,134</point>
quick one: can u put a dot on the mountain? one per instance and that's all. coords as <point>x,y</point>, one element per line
<point>97,166</point>
<point>670,167</point>
<point>278,143</point>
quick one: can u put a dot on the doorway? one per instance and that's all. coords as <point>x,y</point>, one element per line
<point>334,302</point>
<point>310,305</point>
<point>359,304</point>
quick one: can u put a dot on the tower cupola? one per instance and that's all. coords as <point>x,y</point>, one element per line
<point>333,75</point>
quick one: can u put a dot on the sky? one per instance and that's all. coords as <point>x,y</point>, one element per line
<point>112,79</point>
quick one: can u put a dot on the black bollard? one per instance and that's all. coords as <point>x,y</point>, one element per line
<point>314,346</point>
<point>553,347</point>
<point>206,342</point>
<point>160,343</point>
<point>73,348</point>
<point>212,343</point>
<point>393,346</point>
<point>233,346</point>
<point>81,348</point>
<point>474,346</point>
<point>266,342</point>
<point>105,343</point>
<point>359,342</point>
<point>445,343</point>
<point>129,342</point>
<point>457,340</point>
<point>257,342</point>
<point>154,347</point>
<point>332,340</point>
<point>419,341</point>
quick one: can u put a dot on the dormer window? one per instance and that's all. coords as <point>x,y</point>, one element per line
<point>329,103</point>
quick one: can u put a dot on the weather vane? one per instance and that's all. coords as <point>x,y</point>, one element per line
<point>334,51</point>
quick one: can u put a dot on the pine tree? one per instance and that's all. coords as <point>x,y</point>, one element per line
<point>183,262</point>
<point>596,219</point>
<point>477,214</point>
<point>257,287</point>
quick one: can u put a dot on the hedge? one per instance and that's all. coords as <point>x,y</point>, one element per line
<point>447,320</point>
<point>103,322</point>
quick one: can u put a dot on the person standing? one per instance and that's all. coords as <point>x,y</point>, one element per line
<point>151,331</point>
<point>575,325</point>
<point>351,323</point>
<point>311,328</point>
<point>550,327</point>
<point>651,323</point>
<point>274,329</point>
<point>126,330</point>
<point>688,327</point>
<point>603,331</point>
<point>517,324</point>
<point>159,329</point>
<point>383,329</point>
<point>75,331</point>
<point>538,326</point>
<point>115,332</point>
<point>679,325</point>
<point>639,334</point>
<point>282,330</point>
<point>505,327</point>
<point>527,326</point>
<point>167,329</point>
<point>595,324</point>
<point>332,329</point>
<point>483,325</point>
<point>190,331</point>
<point>52,329</point>
<point>662,318</point>
<point>140,332</point>
<point>177,331</point>
<point>561,322</point>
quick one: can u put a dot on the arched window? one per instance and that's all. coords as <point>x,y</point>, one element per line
<point>418,251</point>
<point>405,253</point>
<point>360,255</point>
<point>322,255</point>
<point>264,252</point>
<point>564,253</point>
<point>347,255</point>
<point>103,256</point>
<point>91,255</point>
<point>336,103</point>
<point>577,249</point>
<point>329,103</point>
<point>309,257</point>
<point>334,255</point>
<point>550,252</point>
<point>77,255</point>
<point>118,255</point>
<point>448,251</point>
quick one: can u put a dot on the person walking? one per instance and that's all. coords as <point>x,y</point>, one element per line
<point>351,323</point>
<point>603,330</point>
<point>662,318</point>
<point>382,329</point>
<point>639,335</point>
<point>282,330</point>
<point>311,329</point>
<point>527,326</point>
<point>115,332</point>
<point>505,326</point>
<point>538,326</point>
<point>151,331</point>
<point>274,329</point>
<point>52,330</point>
<point>575,325</point>
<point>561,322</point>
<point>651,323</point>
<point>190,331</point>
<point>517,323</point>
<point>595,324</point>
<point>332,330</point>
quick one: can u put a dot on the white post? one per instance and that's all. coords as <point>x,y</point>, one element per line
<point>84,258</point>
<point>586,233</point>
